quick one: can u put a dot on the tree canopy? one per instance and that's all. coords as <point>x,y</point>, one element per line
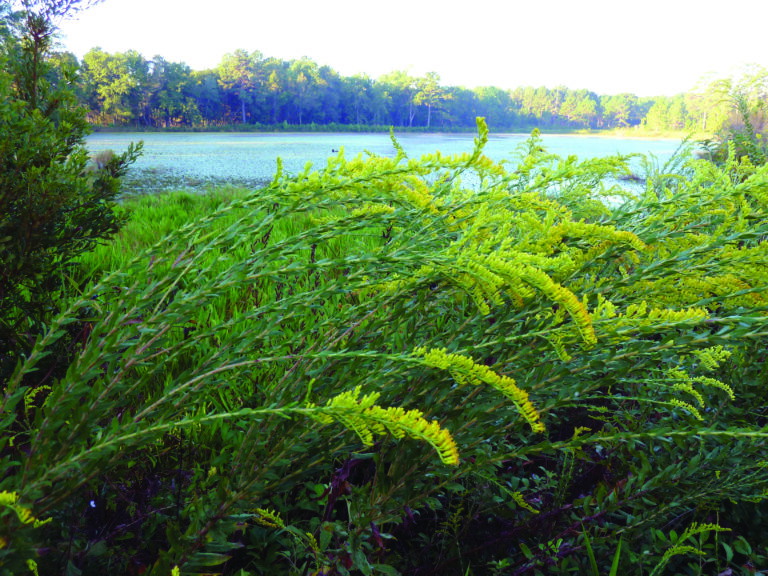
<point>247,88</point>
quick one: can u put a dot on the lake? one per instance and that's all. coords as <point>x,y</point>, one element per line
<point>200,160</point>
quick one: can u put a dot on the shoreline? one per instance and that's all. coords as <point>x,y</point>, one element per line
<point>634,134</point>
<point>643,135</point>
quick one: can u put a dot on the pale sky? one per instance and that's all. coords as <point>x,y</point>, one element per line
<point>647,47</point>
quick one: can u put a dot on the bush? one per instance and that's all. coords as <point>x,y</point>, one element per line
<point>743,140</point>
<point>52,208</point>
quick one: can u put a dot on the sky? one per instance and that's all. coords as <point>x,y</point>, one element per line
<point>650,47</point>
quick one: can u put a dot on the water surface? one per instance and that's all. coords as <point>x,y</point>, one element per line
<point>200,160</point>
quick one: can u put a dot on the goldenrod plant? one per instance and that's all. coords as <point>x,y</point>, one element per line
<point>353,348</point>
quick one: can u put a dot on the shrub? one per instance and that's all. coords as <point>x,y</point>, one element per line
<point>52,209</point>
<point>743,138</point>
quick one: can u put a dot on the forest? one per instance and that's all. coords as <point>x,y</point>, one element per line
<point>248,90</point>
<point>384,365</point>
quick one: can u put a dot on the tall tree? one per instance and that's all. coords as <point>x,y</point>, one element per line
<point>569,108</point>
<point>430,94</point>
<point>277,82</point>
<point>677,113</point>
<point>380,103</point>
<point>401,88</point>
<point>587,110</point>
<point>330,89</point>
<point>358,91</point>
<point>118,85</point>
<point>242,77</point>
<point>621,110</point>
<point>495,105</point>
<point>304,78</point>
<point>657,117</point>
<point>172,101</point>
<point>466,105</point>
<point>206,92</point>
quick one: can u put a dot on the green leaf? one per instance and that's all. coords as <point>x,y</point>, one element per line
<point>174,536</point>
<point>728,552</point>
<point>97,549</point>
<point>526,551</point>
<point>384,569</point>
<point>326,532</point>
<point>615,564</point>
<point>207,559</point>
<point>590,553</point>
<point>361,562</point>
<point>742,546</point>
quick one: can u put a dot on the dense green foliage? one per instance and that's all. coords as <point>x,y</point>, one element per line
<point>743,137</point>
<point>247,89</point>
<point>53,205</point>
<point>435,366</point>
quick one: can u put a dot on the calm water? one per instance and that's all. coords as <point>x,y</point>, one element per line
<point>173,160</point>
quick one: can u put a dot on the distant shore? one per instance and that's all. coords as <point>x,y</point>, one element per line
<point>641,134</point>
<point>634,132</point>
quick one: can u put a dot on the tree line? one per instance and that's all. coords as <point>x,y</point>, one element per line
<point>247,88</point>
